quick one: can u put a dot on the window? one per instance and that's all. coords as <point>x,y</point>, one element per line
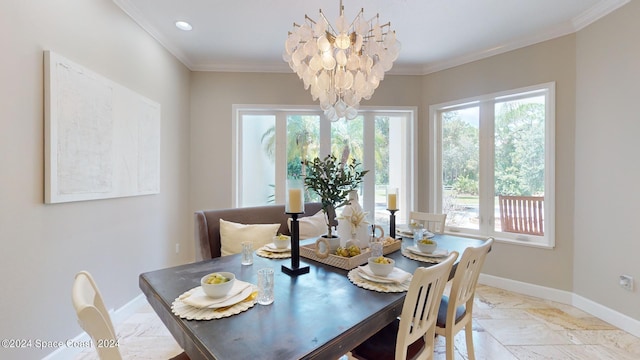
<point>493,158</point>
<point>272,142</point>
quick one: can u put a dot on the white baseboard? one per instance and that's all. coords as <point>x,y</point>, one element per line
<point>520,287</point>
<point>117,317</point>
<point>611,316</point>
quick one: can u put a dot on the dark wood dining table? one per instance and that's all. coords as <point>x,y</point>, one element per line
<point>319,315</point>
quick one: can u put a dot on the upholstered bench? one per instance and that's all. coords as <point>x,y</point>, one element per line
<point>207,224</point>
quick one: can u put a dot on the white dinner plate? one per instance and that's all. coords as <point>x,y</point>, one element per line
<point>436,254</point>
<point>234,299</point>
<point>374,279</point>
<point>409,234</point>
<point>272,248</point>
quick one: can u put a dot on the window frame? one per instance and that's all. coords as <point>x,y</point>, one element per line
<point>408,147</point>
<point>486,104</point>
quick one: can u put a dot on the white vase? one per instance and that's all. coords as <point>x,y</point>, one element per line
<point>327,245</point>
<point>358,236</point>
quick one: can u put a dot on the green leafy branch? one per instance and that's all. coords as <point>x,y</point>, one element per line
<point>332,180</point>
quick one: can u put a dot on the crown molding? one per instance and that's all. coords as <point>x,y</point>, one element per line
<point>558,31</point>
<point>598,11</point>
<point>135,14</point>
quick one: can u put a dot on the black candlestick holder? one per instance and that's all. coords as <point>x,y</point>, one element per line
<point>392,223</point>
<point>295,268</point>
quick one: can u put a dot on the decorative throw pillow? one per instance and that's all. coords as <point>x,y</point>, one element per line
<point>233,234</point>
<point>311,226</point>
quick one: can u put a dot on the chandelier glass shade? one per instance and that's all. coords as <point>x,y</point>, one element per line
<point>341,64</point>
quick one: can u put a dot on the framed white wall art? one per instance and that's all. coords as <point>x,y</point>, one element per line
<point>102,140</point>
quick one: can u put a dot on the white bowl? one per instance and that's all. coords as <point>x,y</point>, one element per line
<point>281,242</point>
<point>217,290</point>
<point>381,269</point>
<point>427,248</point>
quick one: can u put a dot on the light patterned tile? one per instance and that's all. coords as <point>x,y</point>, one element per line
<point>505,300</point>
<point>523,332</point>
<point>151,348</point>
<point>615,339</point>
<point>557,319</point>
<point>485,346</point>
<point>87,354</point>
<point>567,352</point>
<point>501,314</point>
<point>143,324</point>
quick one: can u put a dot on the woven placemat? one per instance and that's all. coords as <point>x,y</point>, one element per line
<point>356,279</point>
<point>193,313</point>
<point>265,253</point>
<point>432,260</point>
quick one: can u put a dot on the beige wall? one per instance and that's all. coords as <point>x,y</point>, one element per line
<point>549,61</point>
<point>214,94</point>
<point>43,246</point>
<point>607,236</point>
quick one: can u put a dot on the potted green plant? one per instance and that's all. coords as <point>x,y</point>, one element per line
<point>332,180</point>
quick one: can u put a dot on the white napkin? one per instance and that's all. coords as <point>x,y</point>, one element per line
<point>271,247</point>
<point>438,253</point>
<point>197,297</point>
<point>397,275</point>
<point>409,233</point>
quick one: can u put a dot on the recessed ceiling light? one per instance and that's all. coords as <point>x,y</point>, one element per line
<point>183,25</point>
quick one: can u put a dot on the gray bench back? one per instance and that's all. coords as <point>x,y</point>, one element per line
<point>207,224</point>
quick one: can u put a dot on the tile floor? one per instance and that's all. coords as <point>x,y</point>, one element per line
<point>507,326</point>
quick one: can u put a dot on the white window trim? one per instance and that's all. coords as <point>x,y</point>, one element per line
<point>408,147</point>
<point>435,169</point>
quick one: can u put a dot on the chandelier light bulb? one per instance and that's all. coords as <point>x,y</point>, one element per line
<point>341,64</point>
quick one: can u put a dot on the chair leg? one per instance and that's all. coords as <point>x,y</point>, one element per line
<point>450,343</point>
<point>468,329</point>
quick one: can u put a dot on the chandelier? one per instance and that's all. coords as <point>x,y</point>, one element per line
<point>344,64</point>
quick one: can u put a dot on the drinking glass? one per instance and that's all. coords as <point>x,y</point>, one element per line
<point>376,248</point>
<point>247,253</point>
<point>265,286</point>
<point>418,234</point>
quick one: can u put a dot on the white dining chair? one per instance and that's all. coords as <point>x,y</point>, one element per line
<point>412,335</point>
<point>94,318</point>
<point>456,310</point>
<point>432,222</point>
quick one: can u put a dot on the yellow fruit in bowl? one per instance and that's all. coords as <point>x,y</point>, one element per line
<point>427,241</point>
<point>382,260</point>
<point>216,278</point>
<point>381,265</point>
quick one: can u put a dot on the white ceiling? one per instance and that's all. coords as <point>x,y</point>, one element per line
<point>249,35</point>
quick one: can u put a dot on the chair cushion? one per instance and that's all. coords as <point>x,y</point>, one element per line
<point>311,226</point>
<point>442,312</point>
<point>233,234</point>
<point>382,345</point>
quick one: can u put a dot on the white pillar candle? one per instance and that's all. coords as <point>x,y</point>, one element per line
<point>295,204</point>
<point>392,199</point>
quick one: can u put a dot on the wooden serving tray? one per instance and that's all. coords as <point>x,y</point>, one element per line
<point>347,263</point>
